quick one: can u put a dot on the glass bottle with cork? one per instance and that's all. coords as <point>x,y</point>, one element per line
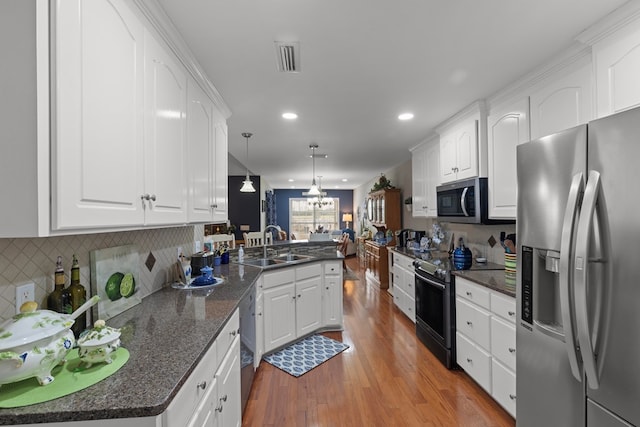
<point>59,299</point>
<point>78,297</point>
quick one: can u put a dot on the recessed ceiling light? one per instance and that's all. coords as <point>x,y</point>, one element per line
<point>291,180</point>
<point>344,179</point>
<point>405,116</point>
<point>290,116</point>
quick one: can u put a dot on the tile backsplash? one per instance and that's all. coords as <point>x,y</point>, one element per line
<point>34,259</point>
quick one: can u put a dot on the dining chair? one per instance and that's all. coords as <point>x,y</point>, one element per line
<point>254,238</point>
<point>218,240</point>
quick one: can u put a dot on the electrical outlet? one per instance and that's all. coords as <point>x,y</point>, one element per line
<point>26,292</point>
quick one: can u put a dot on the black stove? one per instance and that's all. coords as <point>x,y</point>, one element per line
<point>436,303</point>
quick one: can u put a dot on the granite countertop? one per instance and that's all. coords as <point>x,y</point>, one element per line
<point>166,335</point>
<point>497,280</point>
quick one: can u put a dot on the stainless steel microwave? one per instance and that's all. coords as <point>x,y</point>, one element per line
<point>465,201</point>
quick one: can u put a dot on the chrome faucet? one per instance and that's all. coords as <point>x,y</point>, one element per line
<point>264,239</point>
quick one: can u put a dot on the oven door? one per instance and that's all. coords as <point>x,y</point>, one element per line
<point>433,309</point>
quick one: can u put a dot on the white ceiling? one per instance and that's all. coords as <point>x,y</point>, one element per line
<point>363,62</point>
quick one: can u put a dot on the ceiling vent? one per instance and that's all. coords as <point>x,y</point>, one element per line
<point>288,56</point>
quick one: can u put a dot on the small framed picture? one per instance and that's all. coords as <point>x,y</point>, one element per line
<point>114,278</point>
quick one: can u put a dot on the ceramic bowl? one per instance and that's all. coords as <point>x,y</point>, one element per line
<point>32,343</point>
<point>99,344</point>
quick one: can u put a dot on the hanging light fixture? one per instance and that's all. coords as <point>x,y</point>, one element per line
<point>314,190</point>
<point>247,184</point>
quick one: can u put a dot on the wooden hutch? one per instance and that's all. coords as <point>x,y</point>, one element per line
<point>384,210</point>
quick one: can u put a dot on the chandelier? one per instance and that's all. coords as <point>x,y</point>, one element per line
<point>320,201</point>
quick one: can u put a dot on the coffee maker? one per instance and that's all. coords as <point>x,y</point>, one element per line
<point>402,237</point>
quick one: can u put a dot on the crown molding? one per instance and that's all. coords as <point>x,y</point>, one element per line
<point>162,24</point>
<point>611,23</point>
<point>476,108</point>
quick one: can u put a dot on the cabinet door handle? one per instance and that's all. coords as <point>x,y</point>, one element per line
<point>299,295</point>
<point>327,288</point>
<point>512,350</point>
<point>469,360</point>
<point>512,396</point>
<point>147,196</point>
<point>468,294</point>
<point>223,398</point>
<point>294,297</point>
<point>469,323</point>
<point>219,408</point>
<point>202,385</point>
<point>232,333</point>
<point>511,313</point>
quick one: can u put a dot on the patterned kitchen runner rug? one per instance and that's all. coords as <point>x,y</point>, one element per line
<point>300,357</point>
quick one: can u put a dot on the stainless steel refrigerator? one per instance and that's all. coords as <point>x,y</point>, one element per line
<point>578,276</point>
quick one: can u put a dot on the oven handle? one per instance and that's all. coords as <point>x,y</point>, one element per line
<point>463,203</point>
<point>429,282</point>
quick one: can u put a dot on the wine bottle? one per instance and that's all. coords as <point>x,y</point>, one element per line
<point>59,299</point>
<point>78,297</point>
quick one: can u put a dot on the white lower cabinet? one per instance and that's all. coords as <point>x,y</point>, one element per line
<point>404,294</point>
<point>486,340</point>
<point>298,301</point>
<point>332,294</point>
<point>211,394</point>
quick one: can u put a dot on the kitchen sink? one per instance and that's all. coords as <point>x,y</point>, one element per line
<point>261,262</point>
<point>292,257</point>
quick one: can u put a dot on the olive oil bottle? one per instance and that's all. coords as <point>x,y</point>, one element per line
<point>59,299</point>
<point>78,297</point>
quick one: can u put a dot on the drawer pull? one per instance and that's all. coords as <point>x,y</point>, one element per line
<point>202,385</point>
<point>223,398</point>
<point>512,396</point>
<point>470,323</point>
<point>232,333</point>
<point>219,408</point>
<point>511,313</point>
<point>512,350</point>
<point>468,294</point>
<point>469,360</point>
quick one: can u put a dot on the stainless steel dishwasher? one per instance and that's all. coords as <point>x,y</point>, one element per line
<point>247,344</point>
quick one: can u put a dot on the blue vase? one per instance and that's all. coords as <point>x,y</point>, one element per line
<point>462,258</point>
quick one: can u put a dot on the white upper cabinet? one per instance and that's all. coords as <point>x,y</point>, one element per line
<point>206,159</point>
<point>616,60</point>
<point>200,153</point>
<point>165,181</point>
<point>221,180</point>
<point>425,173</point>
<point>98,96</point>
<point>459,152</point>
<point>561,104</point>
<point>461,143</point>
<point>507,128</point>
<point>102,129</point>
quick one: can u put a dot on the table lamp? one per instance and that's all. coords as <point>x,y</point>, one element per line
<point>347,217</point>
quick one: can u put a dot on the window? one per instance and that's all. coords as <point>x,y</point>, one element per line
<point>306,216</point>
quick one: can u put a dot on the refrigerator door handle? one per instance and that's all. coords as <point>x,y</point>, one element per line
<point>581,278</point>
<point>565,273</point>
<point>463,199</point>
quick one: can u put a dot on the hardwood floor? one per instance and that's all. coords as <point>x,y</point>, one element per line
<point>386,378</point>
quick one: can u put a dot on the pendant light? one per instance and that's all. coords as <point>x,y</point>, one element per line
<point>247,184</point>
<point>313,191</point>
